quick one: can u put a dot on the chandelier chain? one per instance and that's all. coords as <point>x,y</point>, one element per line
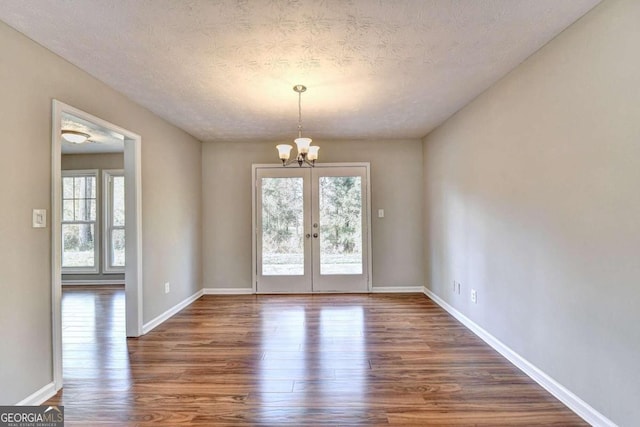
<point>299,114</point>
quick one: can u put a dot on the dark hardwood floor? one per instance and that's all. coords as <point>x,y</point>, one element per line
<point>290,360</point>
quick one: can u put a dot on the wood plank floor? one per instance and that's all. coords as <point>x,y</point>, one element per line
<point>290,360</point>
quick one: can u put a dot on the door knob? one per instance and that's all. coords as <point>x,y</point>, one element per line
<point>315,235</point>
<point>307,235</point>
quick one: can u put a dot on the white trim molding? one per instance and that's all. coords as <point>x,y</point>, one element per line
<point>133,195</point>
<point>228,291</point>
<point>375,289</point>
<point>560,392</point>
<point>40,396</point>
<point>149,326</point>
<point>92,282</point>
<point>397,289</point>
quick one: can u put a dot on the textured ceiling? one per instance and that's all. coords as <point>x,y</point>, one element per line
<point>224,69</point>
<point>101,140</point>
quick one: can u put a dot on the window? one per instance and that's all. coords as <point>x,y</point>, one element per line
<point>79,222</point>
<point>113,184</point>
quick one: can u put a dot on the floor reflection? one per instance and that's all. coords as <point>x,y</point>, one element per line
<point>283,342</point>
<point>94,345</point>
<point>307,344</point>
<point>342,346</point>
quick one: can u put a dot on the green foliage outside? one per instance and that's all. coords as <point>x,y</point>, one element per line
<point>340,215</point>
<point>282,216</point>
<point>283,222</point>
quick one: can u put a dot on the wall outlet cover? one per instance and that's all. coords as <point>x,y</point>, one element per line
<point>39,218</point>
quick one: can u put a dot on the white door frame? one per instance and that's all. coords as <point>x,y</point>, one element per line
<point>133,228</point>
<point>254,220</point>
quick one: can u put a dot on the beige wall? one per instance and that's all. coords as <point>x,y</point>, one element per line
<point>30,77</point>
<point>533,198</point>
<point>92,161</point>
<point>396,187</point>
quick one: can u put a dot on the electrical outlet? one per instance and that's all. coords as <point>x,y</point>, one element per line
<point>474,296</point>
<point>167,288</point>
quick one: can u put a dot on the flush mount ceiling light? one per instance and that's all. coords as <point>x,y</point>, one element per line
<point>307,153</point>
<point>74,136</point>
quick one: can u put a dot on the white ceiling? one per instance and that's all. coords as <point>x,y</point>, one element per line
<point>101,140</point>
<point>224,69</point>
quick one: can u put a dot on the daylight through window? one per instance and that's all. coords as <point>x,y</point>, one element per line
<point>79,221</point>
<point>114,221</point>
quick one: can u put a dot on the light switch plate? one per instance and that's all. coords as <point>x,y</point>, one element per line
<point>39,218</point>
<point>380,213</point>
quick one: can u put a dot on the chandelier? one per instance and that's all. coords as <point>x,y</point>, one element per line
<point>307,153</point>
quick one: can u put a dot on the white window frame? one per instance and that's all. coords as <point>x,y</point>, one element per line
<point>107,216</point>
<point>96,224</point>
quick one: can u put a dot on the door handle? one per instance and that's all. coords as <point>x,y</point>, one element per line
<point>307,235</point>
<point>315,235</point>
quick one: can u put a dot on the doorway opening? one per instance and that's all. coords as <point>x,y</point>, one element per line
<point>312,229</point>
<point>89,240</point>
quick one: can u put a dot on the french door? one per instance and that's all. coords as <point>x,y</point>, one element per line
<point>312,229</point>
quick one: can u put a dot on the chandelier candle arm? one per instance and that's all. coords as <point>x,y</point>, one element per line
<point>307,153</point>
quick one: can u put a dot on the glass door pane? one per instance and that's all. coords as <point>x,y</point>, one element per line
<point>340,224</point>
<point>282,227</point>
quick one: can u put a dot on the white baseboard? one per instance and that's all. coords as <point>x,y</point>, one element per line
<point>92,282</point>
<point>396,289</point>
<point>375,289</point>
<point>573,402</point>
<point>228,291</point>
<point>149,326</point>
<point>40,396</point>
